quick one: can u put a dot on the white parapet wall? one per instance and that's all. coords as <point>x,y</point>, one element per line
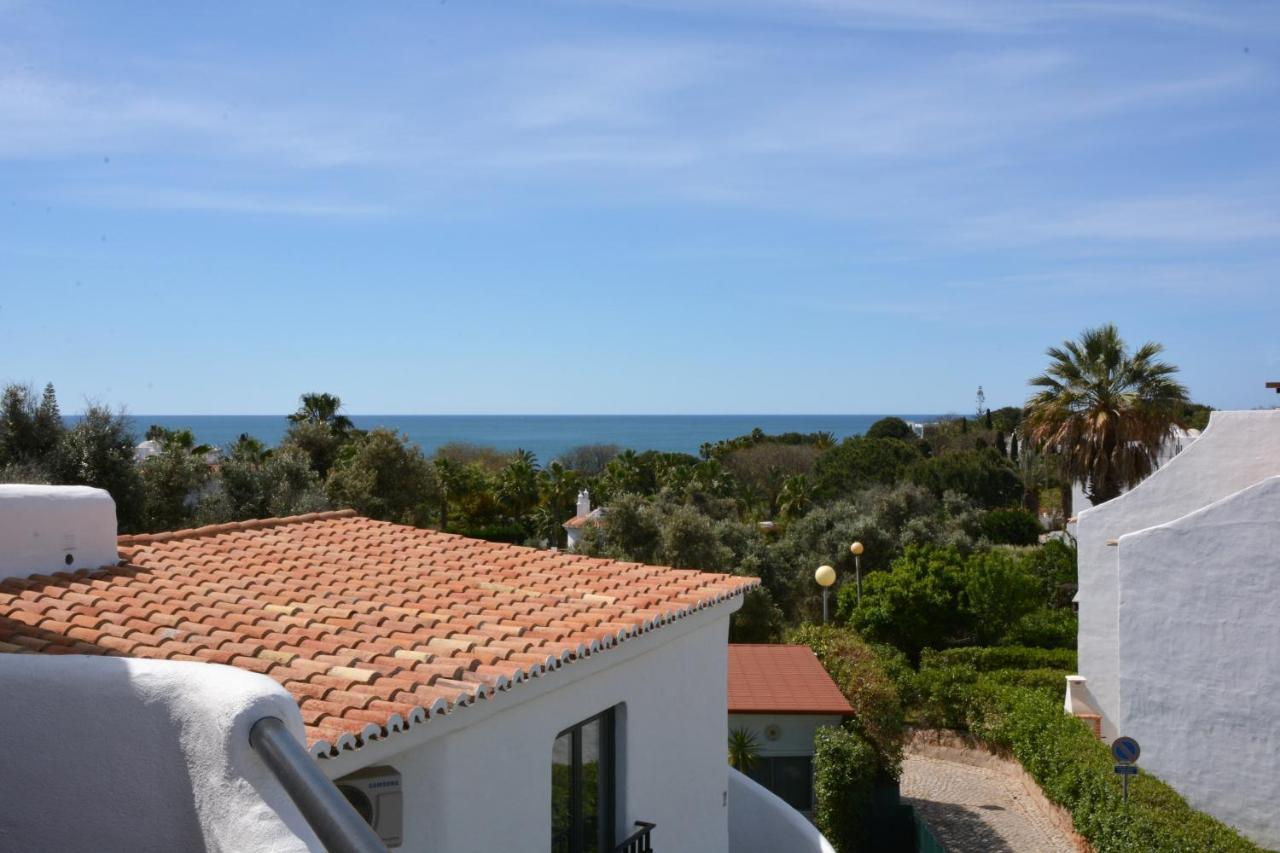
<point>1237,450</point>
<point>47,529</point>
<point>761,822</point>
<point>106,754</point>
<point>1199,620</point>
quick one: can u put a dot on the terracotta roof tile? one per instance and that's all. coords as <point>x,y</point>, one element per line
<point>778,679</point>
<point>373,627</point>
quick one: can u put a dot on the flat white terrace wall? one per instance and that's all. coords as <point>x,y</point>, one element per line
<point>1200,656</point>
<point>1237,450</point>
<point>108,754</point>
<point>479,778</point>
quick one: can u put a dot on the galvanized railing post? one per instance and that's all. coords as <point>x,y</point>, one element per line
<point>337,825</point>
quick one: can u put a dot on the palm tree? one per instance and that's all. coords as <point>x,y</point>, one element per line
<point>1103,411</point>
<point>318,408</point>
<point>743,749</point>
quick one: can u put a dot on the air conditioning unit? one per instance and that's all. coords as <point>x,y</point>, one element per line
<point>375,794</point>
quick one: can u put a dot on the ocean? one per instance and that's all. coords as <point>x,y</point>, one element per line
<point>547,436</point>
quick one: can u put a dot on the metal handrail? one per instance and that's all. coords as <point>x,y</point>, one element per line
<point>638,841</point>
<point>338,826</point>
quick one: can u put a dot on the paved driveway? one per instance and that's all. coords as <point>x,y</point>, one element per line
<point>974,809</point>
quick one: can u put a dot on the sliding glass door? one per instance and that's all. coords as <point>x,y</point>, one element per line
<point>582,787</point>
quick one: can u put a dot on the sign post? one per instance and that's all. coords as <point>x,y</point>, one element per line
<point>1125,751</point>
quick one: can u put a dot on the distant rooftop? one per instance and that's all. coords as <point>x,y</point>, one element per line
<point>776,679</point>
<point>373,627</point>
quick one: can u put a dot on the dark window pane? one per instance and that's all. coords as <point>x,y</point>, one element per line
<point>562,793</point>
<point>591,780</point>
<point>793,781</point>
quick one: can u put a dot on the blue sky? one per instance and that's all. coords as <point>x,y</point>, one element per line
<point>649,206</point>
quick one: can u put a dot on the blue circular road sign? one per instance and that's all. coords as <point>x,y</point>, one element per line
<point>1125,750</point>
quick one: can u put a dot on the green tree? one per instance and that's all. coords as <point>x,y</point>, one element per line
<point>98,451</point>
<point>857,463</point>
<point>30,430</point>
<point>690,542</point>
<point>172,481</point>
<point>518,486</point>
<point>983,476</point>
<point>895,428</point>
<point>383,475</point>
<point>319,429</point>
<point>912,606</point>
<point>998,590</point>
<point>254,481</point>
<point>759,620</point>
<point>1104,411</point>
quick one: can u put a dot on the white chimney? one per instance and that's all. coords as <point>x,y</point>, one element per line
<point>47,529</point>
<point>584,502</point>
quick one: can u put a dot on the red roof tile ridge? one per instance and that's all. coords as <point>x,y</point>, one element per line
<point>231,527</point>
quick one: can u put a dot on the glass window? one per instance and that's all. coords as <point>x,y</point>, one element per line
<point>582,787</point>
<point>790,777</point>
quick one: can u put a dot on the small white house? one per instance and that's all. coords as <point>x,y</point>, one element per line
<point>462,695</point>
<point>585,517</point>
<point>1179,591</point>
<point>781,695</point>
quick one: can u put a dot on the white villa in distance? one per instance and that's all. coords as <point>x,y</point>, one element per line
<point>328,681</point>
<point>585,516</point>
<point>1179,634</point>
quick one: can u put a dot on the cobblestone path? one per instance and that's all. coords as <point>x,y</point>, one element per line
<point>977,810</point>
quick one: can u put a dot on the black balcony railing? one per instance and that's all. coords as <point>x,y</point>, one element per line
<point>638,841</point>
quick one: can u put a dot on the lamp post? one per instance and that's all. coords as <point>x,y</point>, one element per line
<point>825,576</point>
<point>856,550</point>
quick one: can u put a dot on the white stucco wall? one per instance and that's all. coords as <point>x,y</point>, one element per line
<point>795,735</point>
<point>1237,450</point>
<point>479,778</point>
<point>42,526</point>
<point>1199,672</point>
<point>761,822</point>
<point>108,754</point>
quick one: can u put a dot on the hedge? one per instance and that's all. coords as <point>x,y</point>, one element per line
<point>1075,770</point>
<point>989,658</point>
<point>845,767</point>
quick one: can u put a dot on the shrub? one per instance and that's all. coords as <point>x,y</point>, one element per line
<point>1046,628</point>
<point>988,658</point>
<point>1011,527</point>
<point>1075,771</point>
<point>944,695</point>
<point>857,671</point>
<point>981,475</point>
<point>844,775</point>
<point>999,589</point>
<point>913,605</point>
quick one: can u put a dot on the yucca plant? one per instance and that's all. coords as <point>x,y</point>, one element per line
<point>743,749</point>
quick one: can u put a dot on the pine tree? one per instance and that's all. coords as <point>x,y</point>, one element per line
<point>48,426</point>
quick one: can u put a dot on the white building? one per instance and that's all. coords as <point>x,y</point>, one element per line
<point>584,517</point>
<point>1179,634</point>
<point>464,695</point>
<point>782,695</point>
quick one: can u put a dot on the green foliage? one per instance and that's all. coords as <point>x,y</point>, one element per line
<point>1074,770</point>
<point>30,429</point>
<point>1046,628</point>
<point>759,620</point>
<point>1105,411</point>
<point>857,670</point>
<point>382,475</point>
<point>171,482</point>
<point>943,695</point>
<point>983,476</point>
<point>588,459</point>
<point>895,428</point>
<point>990,658</point>
<point>1054,563</point>
<point>844,776</point>
<point>857,463</point>
<point>998,590</point>
<point>1011,527</point>
<point>256,482</point>
<point>743,749</point>
<point>98,451</point>
<point>912,606</point>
